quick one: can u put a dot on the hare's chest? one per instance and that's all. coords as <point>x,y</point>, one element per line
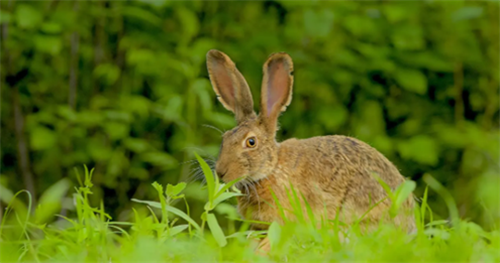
<point>259,202</point>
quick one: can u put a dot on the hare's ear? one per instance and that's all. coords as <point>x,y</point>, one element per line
<point>276,92</point>
<point>230,86</point>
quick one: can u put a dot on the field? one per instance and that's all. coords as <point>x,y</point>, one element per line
<point>122,89</point>
<point>165,233</point>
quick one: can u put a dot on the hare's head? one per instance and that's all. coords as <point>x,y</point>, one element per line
<point>250,149</point>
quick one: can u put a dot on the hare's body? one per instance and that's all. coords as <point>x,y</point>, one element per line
<point>332,173</point>
<point>336,174</point>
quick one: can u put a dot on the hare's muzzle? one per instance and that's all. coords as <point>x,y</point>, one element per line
<point>220,172</point>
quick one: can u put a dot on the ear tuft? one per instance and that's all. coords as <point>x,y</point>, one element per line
<point>217,55</point>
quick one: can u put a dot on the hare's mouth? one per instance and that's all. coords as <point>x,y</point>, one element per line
<point>248,181</point>
<point>221,174</point>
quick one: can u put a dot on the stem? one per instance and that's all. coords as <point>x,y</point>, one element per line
<point>98,43</point>
<point>73,76</point>
<point>458,78</point>
<point>22,148</point>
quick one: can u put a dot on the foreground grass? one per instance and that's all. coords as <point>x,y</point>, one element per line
<point>170,235</point>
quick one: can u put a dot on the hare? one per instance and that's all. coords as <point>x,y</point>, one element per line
<point>333,172</point>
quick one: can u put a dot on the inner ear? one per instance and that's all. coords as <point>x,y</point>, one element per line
<point>229,85</point>
<point>277,84</point>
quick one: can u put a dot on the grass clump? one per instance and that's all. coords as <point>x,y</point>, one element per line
<point>168,234</point>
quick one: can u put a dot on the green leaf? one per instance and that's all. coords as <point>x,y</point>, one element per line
<point>421,148</point>
<point>274,234</point>
<point>445,194</point>
<point>437,223</point>
<point>136,144</point>
<point>42,138</point>
<point>156,3</point>
<point>401,194</point>
<point>138,105</point>
<point>5,194</point>
<point>177,229</point>
<point>227,209</point>
<point>408,37</point>
<point>466,13</point>
<point>190,23</point>
<point>116,130</point>
<point>209,176</point>
<point>412,80</point>
<point>50,201</point>
<point>163,202</point>
<point>138,57</point>
<point>202,88</point>
<point>161,159</point>
<point>318,23</point>
<point>109,73</point>
<point>404,191</point>
<point>216,230</point>
<point>223,197</point>
<point>48,44</point>
<point>227,186</point>
<point>395,13</point>
<point>142,14</point>
<point>175,190</point>
<point>27,16</point>
<point>170,209</point>
<point>51,28</point>
<point>5,17</point>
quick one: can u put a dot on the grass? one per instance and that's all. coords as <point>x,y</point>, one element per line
<point>164,233</point>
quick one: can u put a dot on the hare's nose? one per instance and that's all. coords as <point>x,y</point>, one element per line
<point>220,173</point>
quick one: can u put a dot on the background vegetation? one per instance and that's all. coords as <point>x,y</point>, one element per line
<point>122,86</point>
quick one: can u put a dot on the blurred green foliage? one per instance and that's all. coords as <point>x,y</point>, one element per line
<point>122,87</point>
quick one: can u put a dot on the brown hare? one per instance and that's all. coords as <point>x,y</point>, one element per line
<point>332,172</point>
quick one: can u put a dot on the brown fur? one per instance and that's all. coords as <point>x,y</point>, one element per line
<point>332,172</point>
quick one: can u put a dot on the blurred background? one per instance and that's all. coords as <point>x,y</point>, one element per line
<point>122,87</point>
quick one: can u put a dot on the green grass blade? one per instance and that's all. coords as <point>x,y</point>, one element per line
<point>209,176</point>
<point>448,199</point>
<point>402,193</point>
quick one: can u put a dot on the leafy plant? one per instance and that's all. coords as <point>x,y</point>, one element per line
<point>89,234</point>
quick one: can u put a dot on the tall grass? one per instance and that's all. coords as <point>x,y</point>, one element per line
<point>168,234</point>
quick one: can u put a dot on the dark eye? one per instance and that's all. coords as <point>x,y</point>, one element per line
<point>251,142</point>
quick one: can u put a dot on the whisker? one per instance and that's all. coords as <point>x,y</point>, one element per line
<point>196,175</point>
<point>245,185</point>
<point>196,172</point>
<point>213,127</point>
<point>189,162</point>
<point>198,150</point>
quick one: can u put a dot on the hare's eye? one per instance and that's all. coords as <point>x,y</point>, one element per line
<point>251,142</point>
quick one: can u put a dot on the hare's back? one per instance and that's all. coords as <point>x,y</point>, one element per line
<point>341,156</point>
